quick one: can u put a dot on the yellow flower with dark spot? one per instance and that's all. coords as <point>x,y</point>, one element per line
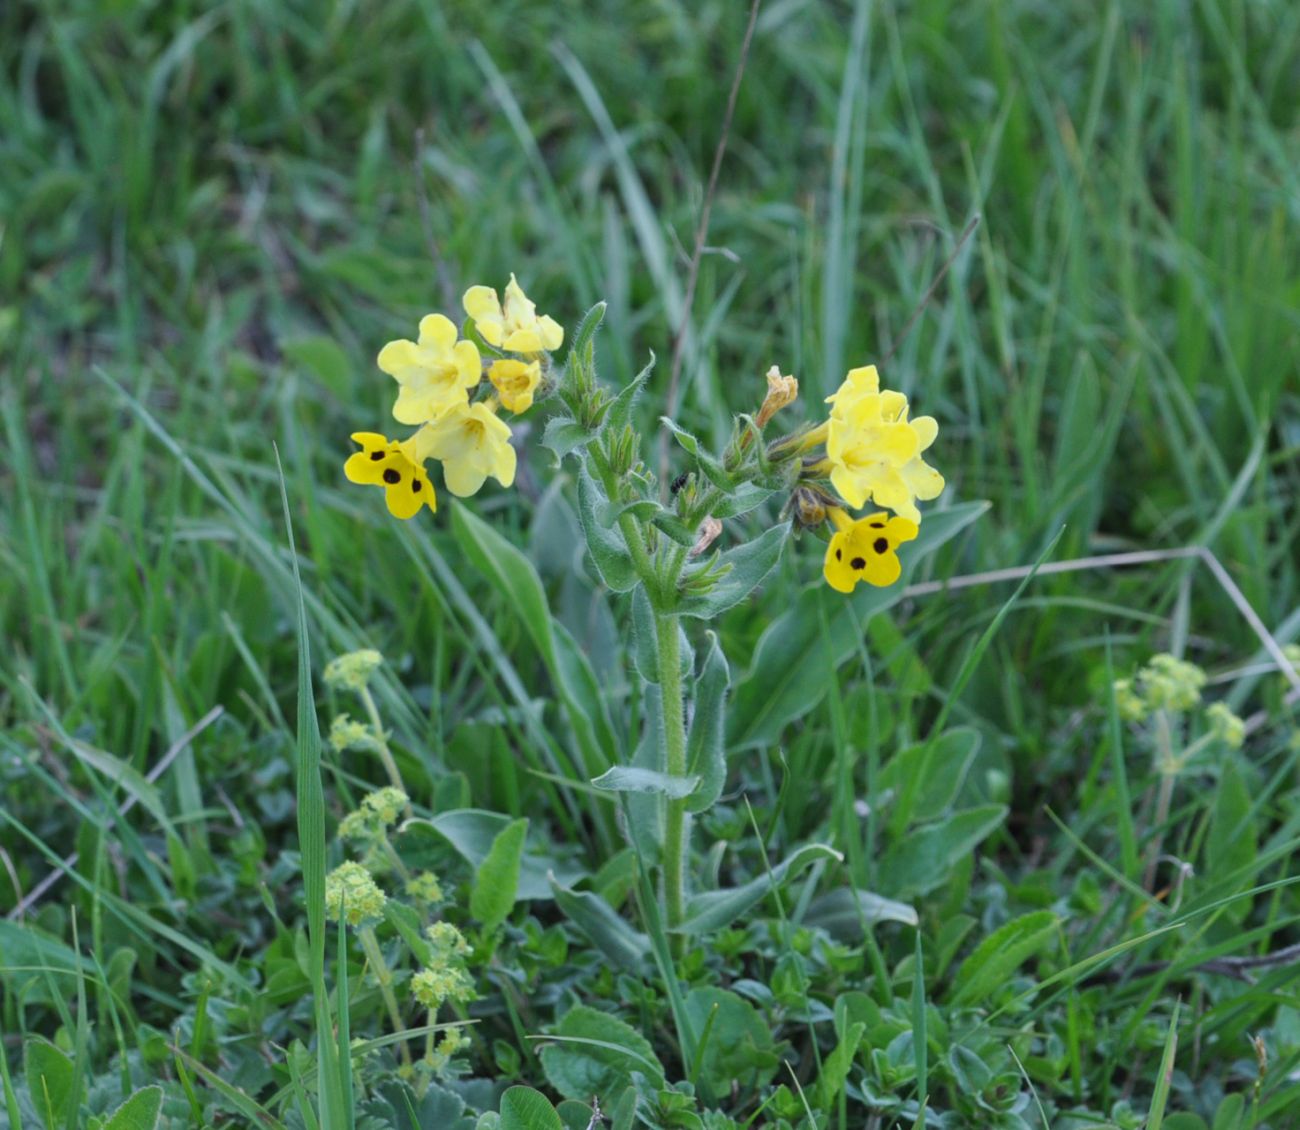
<point>515,382</point>
<point>436,372</point>
<point>865,550</point>
<point>472,443</point>
<point>515,325</point>
<point>394,466</point>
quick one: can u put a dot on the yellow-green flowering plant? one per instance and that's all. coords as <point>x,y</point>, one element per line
<point>853,476</point>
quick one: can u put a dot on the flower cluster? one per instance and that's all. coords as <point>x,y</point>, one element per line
<point>352,671</point>
<point>872,455</point>
<point>1166,683</point>
<point>441,392</point>
<point>445,977</point>
<point>377,812</point>
<point>351,892</point>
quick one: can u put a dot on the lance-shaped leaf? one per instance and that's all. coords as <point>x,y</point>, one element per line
<point>620,409</point>
<point>645,648</point>
<point>711,468</point>
<point>626,948</point>
<point>608,550</point>
<point>496,884</point>
<point>629,779</point>
<point>746,566</point>
<point>715,910</point>
<point>705,755</point>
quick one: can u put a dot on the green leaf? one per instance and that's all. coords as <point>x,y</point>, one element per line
<point>705,755</point>
<point>595,1055</point>
<point>626,948</point>
<point>324,359</point>
<point>496,883</point>
<point>140,1112</point>
<point>844,912</point>
<point>925,859</point>
<point>620,409</point>
<point>51,1081</point>
<point>747,566</point>
<point>586,330</point>
<point>1165,1079</point>
<point>472,832</point>
<point>627,779</point>
<point>736,1045</point>
<point>741,500</point>
<point>715,910</point>
<point>708,466</point>
<point>645,650</point>
<point>608,550</point>
<point>788,674</point>
<point>835,1069</point>
<point>1003,952</point>
<point>563,435</point>
<point>1233,839</point>
<point>522,1108</point>
<point>925,778</point>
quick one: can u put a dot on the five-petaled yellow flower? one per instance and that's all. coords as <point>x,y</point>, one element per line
<point>397,468</point>
<point>875,451</point>
<point>515,382</point>
<point>436,372</point>
<point>471,443</point>
<point>865,550</point>
<point>514,326</point>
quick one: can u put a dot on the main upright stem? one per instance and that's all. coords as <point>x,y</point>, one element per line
<point>670,686</point>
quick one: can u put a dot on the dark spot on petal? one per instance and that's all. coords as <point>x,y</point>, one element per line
<point>377,455</point>
<point>415,486</point>
<point>877,525</point>
<point>392,477</point>
<point>880,545</point>
<point>839,555</point>
<point>858,563</point>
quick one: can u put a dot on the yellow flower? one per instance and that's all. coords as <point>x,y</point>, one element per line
<point>865,550</point>
<point>352,670</point>
<point>350,890</point>
<point>516,381</point>
<point>436,373</point>
<point>397,468</point>
<point>472,443</point>
<point>875,451</point>
<point>515,326</point>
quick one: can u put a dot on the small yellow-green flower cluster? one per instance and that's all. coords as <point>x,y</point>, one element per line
<point>351,891</point>
<point>452,1041</point>
<point>1225,725</point>
<point>1166,683</point>
<point>378,810</point>
<point>424,887</point>
<point>352,671</point>
<point>438,376</point>
<point>346,734</point>
<point>873,454</point>
<point>445,977</point>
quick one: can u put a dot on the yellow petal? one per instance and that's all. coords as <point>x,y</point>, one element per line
<point>462,477</point>
<point>926,428</point>
<point>361,468</point>
<point>922,479</point>
<point>438,332</point>
<point>835,568</point>
<point>399,359</point>
<point>899,530</point>
<point>369,440</point>
<point>503,465</point>
<point>881,569</point>
<point>482,305</point>
<point>525,340</point>
<point>552,333</point>
<point>468,363</point>
<point>896,443</point>
<point>405,498</point>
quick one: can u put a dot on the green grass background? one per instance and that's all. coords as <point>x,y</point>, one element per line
<point>225,209</point>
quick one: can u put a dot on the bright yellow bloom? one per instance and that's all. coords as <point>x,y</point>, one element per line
<point>516,382</point>
<point>875,451</point>
<point>436,372</point>
<point>397,468</point>
<point>472,443</point>
<point>514,326</point>
<point>865,550</point>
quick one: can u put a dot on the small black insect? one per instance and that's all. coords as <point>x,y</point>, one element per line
<point>678,482</point>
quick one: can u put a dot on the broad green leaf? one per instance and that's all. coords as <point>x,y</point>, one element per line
<point>845,912</point>
<point>645,650</point>
<point>736,1044</point>
<point>925,778</point>
<point>51,1081</point>
<point>924,860</point>
<point>496,884</point>
<point>628,779</point>
<point>1229,1114</point>
<point>835,1069</point>
<point>788,674</point>
<point>324,359</point>
<point>1233,840</point>
<point>472,831</point>
<point>705,755</point>
<point>608,550</point>
<point>563,434</point>
<point>140,1112</point>
<point>1001,954</point>
<point>644,813</point>
<point>626,948</point>
<point>522,1108</point>
<point>595,1053</point>
<point>715,910</point>
<point>748,565</point>
<point>744,498</point>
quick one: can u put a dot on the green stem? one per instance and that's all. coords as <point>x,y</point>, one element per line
<point>385,755</point>
<point>677,830</point>
<point>375,956</point>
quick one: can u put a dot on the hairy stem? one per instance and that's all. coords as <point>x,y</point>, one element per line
<point>677,829</point>
<point>375,956</point>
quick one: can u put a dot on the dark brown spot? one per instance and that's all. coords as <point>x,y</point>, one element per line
<point>839,555</point>
<point>392,477</point>
<point>415,486</point>
<point>880,545</point>
<point>877,525</point>
<point>859,563</point>
<point>377,455</point>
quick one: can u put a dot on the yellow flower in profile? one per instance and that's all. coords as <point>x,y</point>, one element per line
<point>435,373</point>
<point>514,326</point>
<point>515,381</point>
<point>394,466</point>
<point>472,443</point>
<point>865,550</point>
<point>875,451</point>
